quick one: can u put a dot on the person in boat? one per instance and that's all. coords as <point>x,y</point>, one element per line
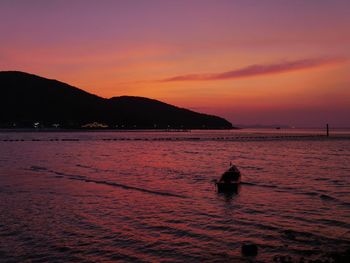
<point>231,175</point>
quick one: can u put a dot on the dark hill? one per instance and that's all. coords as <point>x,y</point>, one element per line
<point>27,98</point>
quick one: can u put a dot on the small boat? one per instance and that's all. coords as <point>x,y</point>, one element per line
<point>229,181</point>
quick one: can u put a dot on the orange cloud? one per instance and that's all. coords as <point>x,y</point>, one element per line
<point>256,70</point>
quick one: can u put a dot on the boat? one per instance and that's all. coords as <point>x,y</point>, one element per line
<point>230,180</point>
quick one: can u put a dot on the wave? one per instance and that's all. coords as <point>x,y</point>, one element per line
<point>259,185</point>
<point>104,182</point>
<point>251,167</point>
<point>38,168</point>
<point>292,190</point>
<point>309,237</point>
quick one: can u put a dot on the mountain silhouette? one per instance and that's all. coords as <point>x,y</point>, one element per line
<point>26,99</point>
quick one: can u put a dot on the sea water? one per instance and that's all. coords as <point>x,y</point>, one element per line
<point>149,196</point>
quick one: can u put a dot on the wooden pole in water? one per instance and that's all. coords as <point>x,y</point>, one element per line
<point>327,130</point>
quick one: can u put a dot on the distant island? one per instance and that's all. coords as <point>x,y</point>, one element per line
<point>30,101</point>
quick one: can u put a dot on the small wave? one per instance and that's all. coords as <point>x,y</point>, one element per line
<point>259,185</point>
<point>308,193</point>
<point>84,166</point>
<point>10,233</point>
<point>38,168</point>
<point>333,223</point>
<point>191,152</point>
<point>95,169</point>
<point>327,197</point>
<point>291,190</point>
<point>308,237</point>
<point>252,168</point>
<point>90,180</point>
<point>133,188</point>
<point>324,197</point>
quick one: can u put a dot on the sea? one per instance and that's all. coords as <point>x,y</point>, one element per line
<point>149,196</point>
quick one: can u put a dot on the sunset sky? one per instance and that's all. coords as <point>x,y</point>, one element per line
<point>252,62</point>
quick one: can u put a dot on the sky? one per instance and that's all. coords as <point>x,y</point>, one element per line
<point>251,62</point>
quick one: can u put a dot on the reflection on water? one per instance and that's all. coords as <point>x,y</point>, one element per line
<point>230,195</point>
<point>100,198</point>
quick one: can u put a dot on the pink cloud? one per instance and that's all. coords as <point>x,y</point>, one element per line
<point>257,70</point>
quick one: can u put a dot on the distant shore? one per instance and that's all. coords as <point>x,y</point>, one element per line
<point>91,130</point>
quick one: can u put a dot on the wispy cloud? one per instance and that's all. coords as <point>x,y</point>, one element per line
<point>258,69</point>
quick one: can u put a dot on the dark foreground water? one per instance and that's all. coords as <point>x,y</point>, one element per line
<point>100,197</point>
